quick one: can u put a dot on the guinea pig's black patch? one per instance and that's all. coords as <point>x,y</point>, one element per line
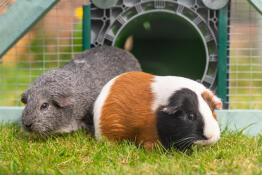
<point>180,124</point>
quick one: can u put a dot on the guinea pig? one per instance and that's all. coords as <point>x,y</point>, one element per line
<point>61,100</point>
<point>148,110</point>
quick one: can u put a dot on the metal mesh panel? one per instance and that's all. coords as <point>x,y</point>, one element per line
<point>4,5</point>
<point>245,82</point>
<point>49,44</point>
<point>57,38</point>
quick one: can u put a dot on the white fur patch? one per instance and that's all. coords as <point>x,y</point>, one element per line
<point>211,128</point>
<point>164,86</point>
<point>98,106</point>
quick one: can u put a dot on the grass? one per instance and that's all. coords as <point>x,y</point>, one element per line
<point>78,153</point>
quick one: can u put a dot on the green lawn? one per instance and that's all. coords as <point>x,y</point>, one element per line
<point>22,153</point>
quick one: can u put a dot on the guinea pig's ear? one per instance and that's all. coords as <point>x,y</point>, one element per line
<point>217,102</point>
<point>212,100</point>
<point>62,101</point>
<point>24,98</point>
<point>170,109</point>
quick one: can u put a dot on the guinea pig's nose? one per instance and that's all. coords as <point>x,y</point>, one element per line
<point>28,126</point>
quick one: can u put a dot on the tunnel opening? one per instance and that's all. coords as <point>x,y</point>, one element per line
<point>165,44</point>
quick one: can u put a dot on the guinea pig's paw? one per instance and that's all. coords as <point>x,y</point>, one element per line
<point>149,146</point>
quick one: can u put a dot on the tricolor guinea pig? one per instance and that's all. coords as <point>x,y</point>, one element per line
<point>147,109</point>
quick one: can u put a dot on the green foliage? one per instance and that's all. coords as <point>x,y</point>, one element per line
<point>78,153</point>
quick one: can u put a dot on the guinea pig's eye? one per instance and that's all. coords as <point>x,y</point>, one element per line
<point>23,98</point>
<point>44,106</point>
<point>191,116</point>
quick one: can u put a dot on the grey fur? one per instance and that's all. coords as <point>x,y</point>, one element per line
<point>71,90</point>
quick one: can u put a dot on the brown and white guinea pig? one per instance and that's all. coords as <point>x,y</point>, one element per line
<point>147,109</point>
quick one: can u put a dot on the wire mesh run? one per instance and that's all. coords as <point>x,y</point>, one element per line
<point>4,5</point>
<point>58,37</point>
<point>53,41</point>
<point>245,82</point>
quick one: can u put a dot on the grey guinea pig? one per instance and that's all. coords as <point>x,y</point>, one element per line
<point>148,109</point>
<point>61,100</point>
